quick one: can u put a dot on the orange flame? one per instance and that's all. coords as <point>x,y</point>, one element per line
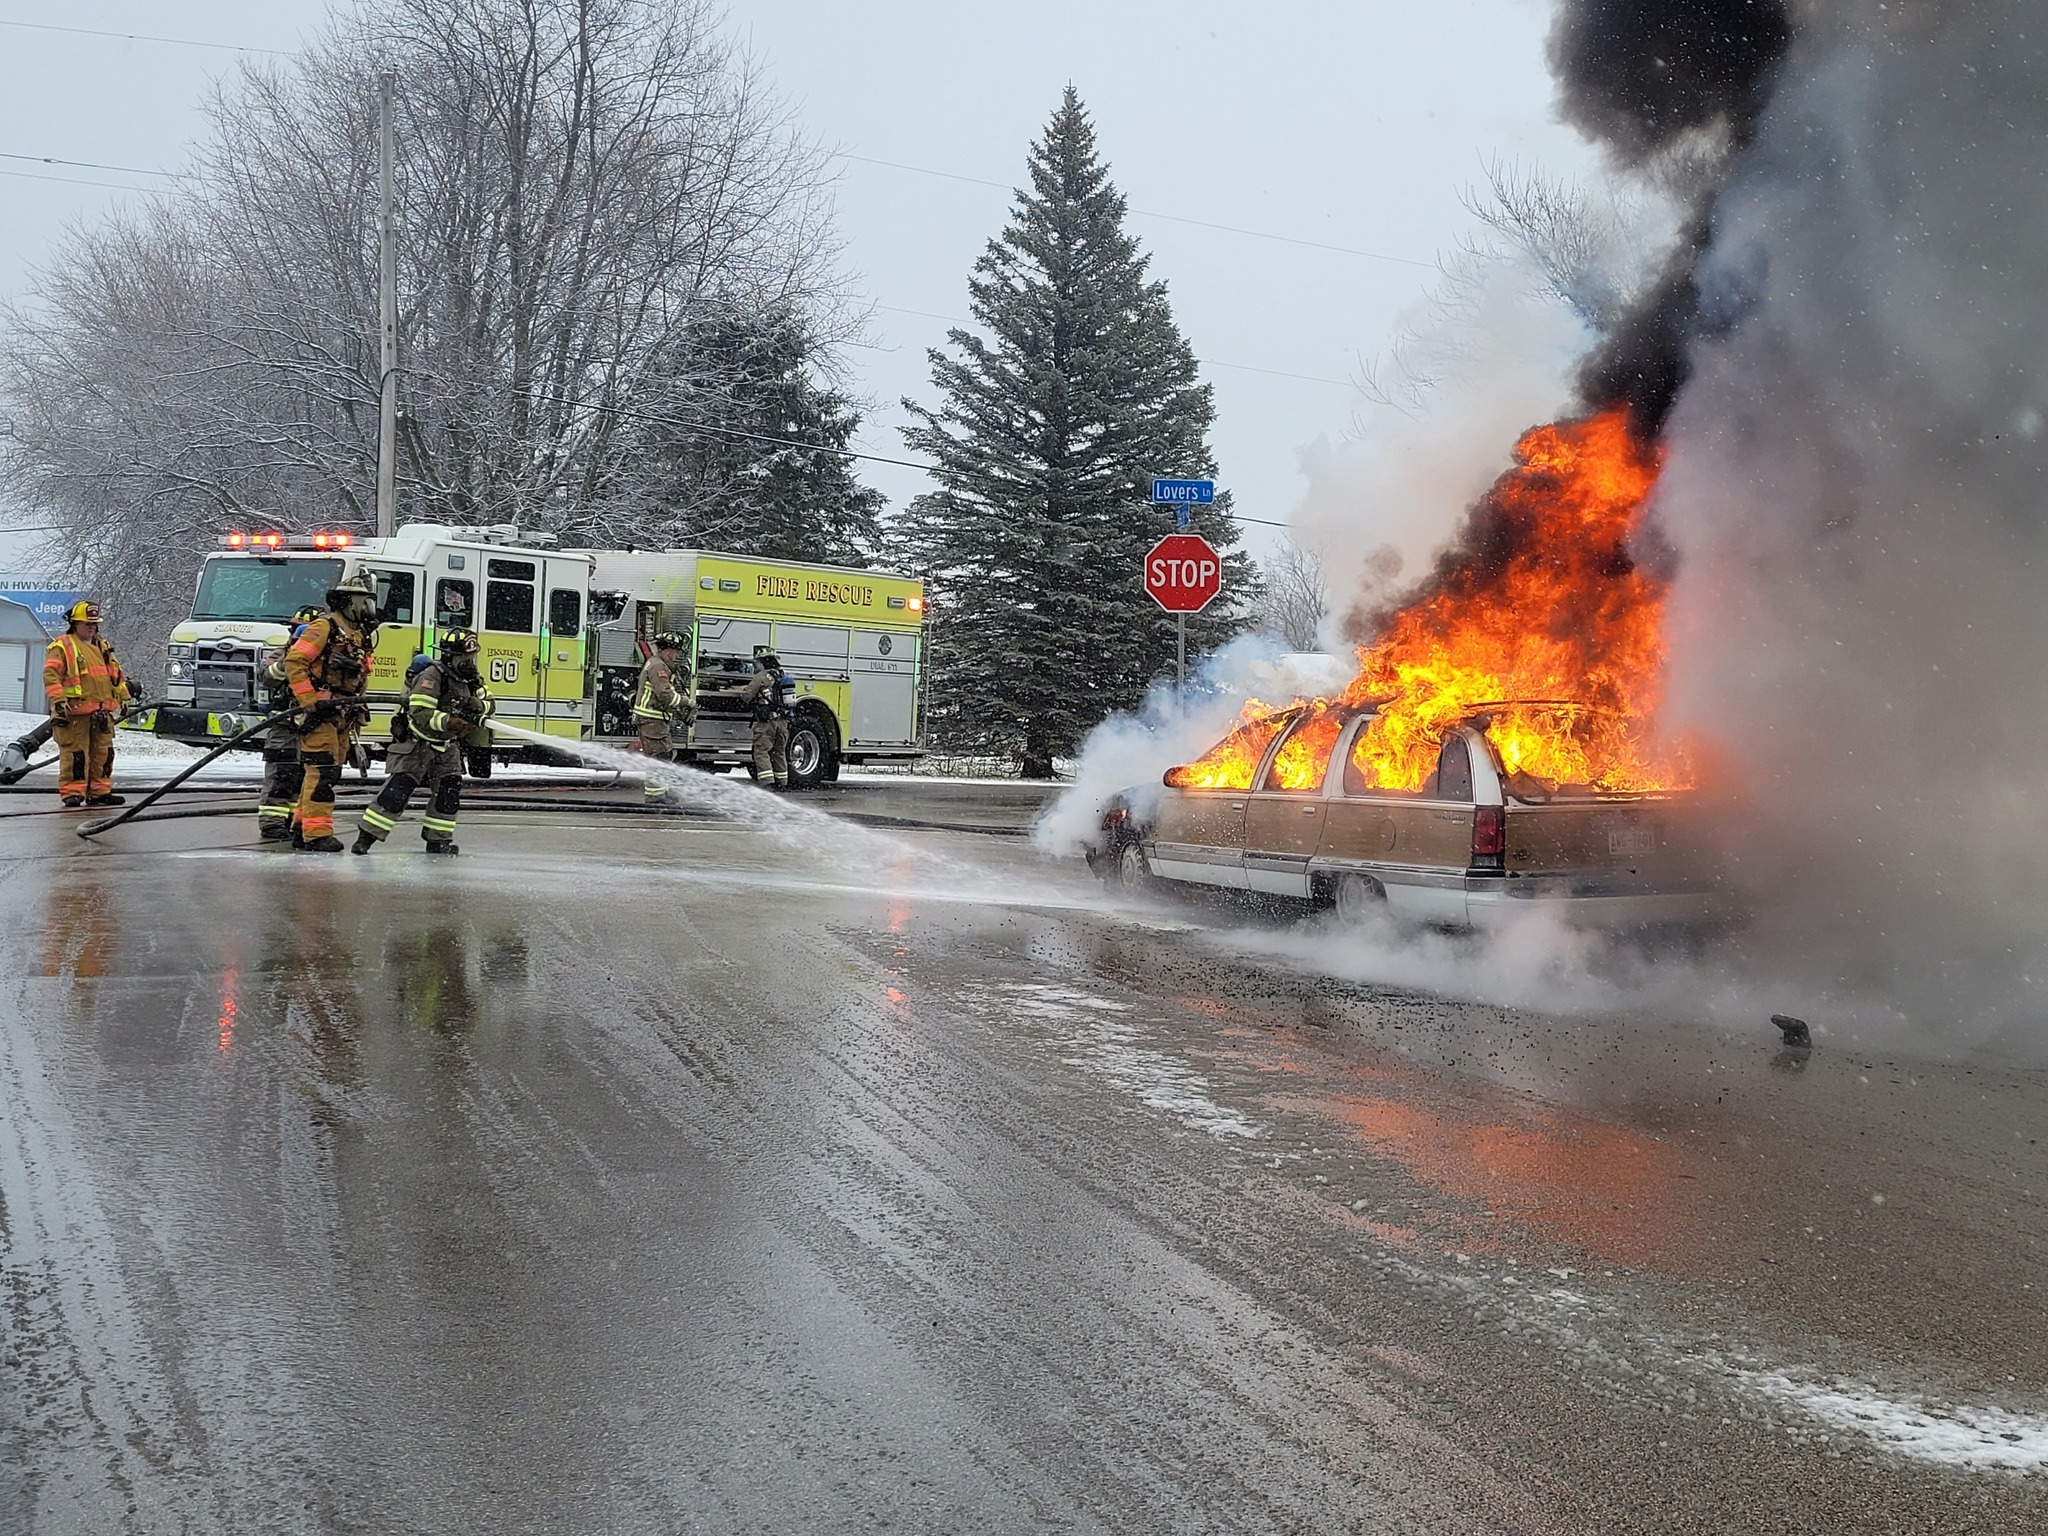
<point>1541,625</point>
<point>1231,763</point>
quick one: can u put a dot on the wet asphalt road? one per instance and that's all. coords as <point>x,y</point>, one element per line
<point>651,1174</point>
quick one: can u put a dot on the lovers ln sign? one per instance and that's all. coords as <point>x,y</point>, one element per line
<point>1183,573</point>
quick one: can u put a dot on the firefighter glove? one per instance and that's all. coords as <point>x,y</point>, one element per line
<point>60,709</point>
<point>483,708</point>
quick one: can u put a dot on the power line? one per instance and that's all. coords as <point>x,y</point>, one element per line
<point>1206,362</point>
<point>95,165</point>
<point>705,426</point>
<point>1143,213</point>
<point>138,37</point>
<point>77,181</point>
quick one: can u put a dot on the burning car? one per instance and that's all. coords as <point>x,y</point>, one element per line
<point>1498,744</point>
<point>1300,803</point>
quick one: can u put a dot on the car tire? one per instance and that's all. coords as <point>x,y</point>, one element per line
<point>1131,870</point>
<point>1357,898</point>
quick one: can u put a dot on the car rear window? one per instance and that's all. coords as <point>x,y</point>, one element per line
<point>1452,779</point>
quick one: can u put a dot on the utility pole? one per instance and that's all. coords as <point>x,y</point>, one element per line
<point>387,321</point>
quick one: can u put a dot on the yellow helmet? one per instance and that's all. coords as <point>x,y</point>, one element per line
<point>82,613</point>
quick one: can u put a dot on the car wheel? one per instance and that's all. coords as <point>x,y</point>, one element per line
<point>1133,870</point>
<point>1357,898</point>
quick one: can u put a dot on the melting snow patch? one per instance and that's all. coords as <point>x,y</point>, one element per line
<point>1107,1047</point>
<point>1951,1435</point>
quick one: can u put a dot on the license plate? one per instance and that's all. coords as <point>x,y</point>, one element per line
<point>1623,841</point>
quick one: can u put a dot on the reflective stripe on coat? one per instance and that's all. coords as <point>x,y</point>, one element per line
<point>83,676</point>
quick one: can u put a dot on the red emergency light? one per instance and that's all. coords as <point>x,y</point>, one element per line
<point>261,541</point>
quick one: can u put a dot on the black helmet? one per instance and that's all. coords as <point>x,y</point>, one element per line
<point>768,660</point>
<point>355,598</point>
<point>456,643</point>
<point>306,614</point>
<point>669,640</point>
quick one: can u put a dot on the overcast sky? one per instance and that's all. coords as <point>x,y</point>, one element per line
<point>1351,125</point>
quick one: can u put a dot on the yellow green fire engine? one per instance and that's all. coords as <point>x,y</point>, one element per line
<point>564,633</point>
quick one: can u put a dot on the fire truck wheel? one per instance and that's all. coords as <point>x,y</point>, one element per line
<point>810,751</point>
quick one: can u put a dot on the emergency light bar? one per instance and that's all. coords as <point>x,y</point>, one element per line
<point>264,541</point>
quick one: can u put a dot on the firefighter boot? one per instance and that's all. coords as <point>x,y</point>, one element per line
<point>71,802</point>
<point>363,843</point>
<point>274,832</point>
<point>107,800</point>
<point>442,845</point>
<point>328,844</point>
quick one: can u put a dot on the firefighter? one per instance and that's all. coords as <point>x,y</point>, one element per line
<point>658,705</point>
<point>86,690</point>
<point>326,668</point>
<point>443,704</point>
<point>764,697</point>
<point>282,770</point>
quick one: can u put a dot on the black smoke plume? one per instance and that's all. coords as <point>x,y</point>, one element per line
<point>1665,81</point>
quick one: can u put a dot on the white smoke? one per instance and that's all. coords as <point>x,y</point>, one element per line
<point>1176,725</point>
<point>1855,492</point>
<point>1483,357</point>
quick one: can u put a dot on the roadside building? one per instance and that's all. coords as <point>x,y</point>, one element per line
<point>22,642</point>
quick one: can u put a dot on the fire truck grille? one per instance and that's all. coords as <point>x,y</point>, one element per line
<point>224,687</point>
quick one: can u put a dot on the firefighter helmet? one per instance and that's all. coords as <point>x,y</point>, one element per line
<point>354,598</point>
<point>306,614</point>
<point>82,613</point>
<point>458,642</point>
<point>768,661</point>
<point>668,640</point>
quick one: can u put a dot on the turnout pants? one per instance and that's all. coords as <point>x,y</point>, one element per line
<point>282,772</point>
<point>323,749</point>
<point>85,756</point>
<point>440,770</point>
<point>655,742</point>
<point>771,752</point>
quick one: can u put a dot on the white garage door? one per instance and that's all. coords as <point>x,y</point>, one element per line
<point>14,676</point>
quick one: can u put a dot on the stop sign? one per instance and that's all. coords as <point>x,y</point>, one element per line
<point>1183,573</point>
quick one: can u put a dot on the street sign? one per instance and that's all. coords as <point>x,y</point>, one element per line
<point>1183,492</point>
<point>1183,573</point>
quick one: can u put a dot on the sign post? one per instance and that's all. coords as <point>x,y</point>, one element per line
<point>1183,575</point>
<point>1183,496</point>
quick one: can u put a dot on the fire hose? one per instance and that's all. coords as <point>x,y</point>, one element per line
<point>14,758</point>
<point>95,828</point>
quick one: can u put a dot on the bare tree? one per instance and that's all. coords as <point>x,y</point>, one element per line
<point>1589,252</point>
<point>1294,596</point>
<point>580,182</point>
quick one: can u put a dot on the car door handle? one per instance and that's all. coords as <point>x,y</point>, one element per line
<point>1311,810</point>
<point>1239,806</point>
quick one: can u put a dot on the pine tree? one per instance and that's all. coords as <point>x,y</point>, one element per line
<point>1050,429</point>
<point>747,453</point>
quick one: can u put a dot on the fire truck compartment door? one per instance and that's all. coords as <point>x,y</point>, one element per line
<point>883,707</point>
<point>1198,834</point>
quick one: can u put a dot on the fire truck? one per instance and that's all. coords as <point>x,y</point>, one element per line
<point>564,633</point>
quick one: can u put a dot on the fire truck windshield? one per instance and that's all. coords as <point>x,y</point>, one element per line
<point>262,587</point>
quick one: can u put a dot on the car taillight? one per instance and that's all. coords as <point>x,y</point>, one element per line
<point>1489,837</point>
